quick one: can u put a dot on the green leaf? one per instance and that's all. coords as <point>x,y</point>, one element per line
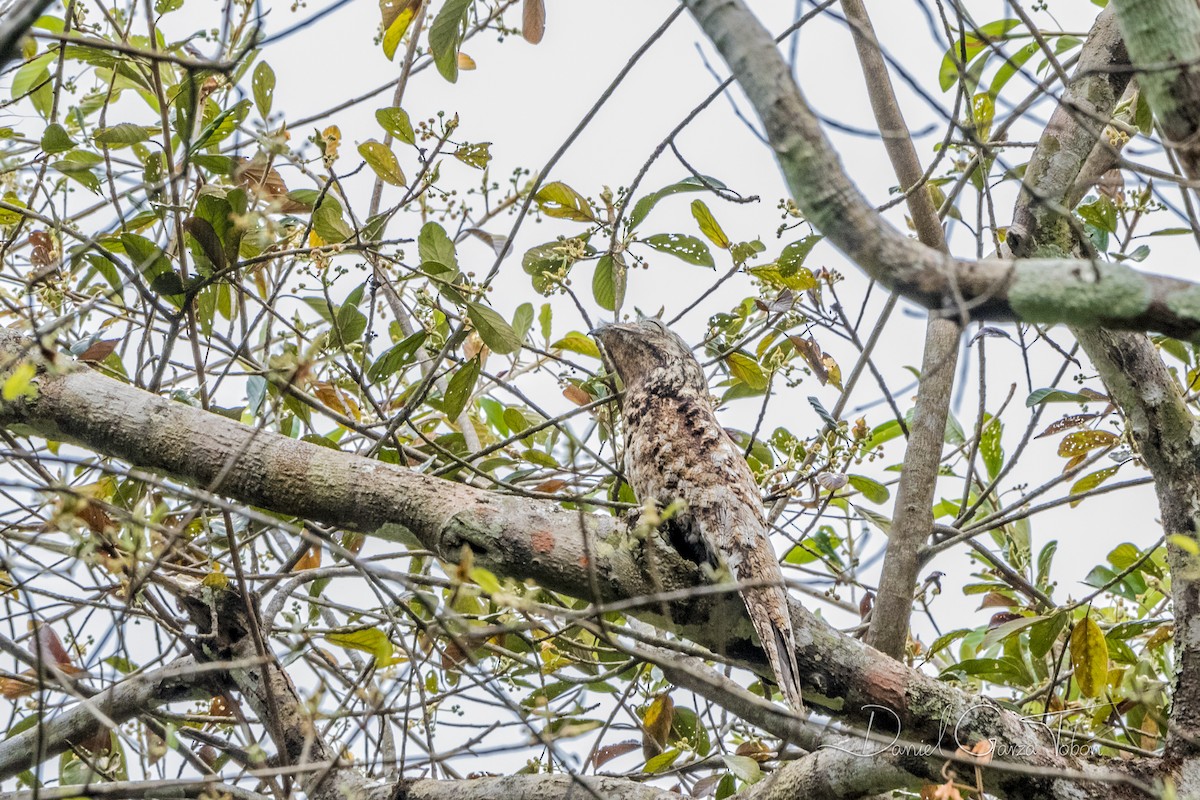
<point>475,155</point>
<point>395,121</point>
<point>32,73</point>
<point>608,282</point>
<point>382,161</point>
<point>210,244</point>
<point>881,433</point>
<point>493,329</point>
<point>989,447</point>
<point>523,320</point>
<point>1101,213</point>
<point>458,391</point>
<point>1040,396</point>
<point>709,225</point>
<point>871,489</point>
<point>747,370</point>
<point>328,222</point>
<point>791,259</point>
<point>969,46</point>
<point>1044,634</point>
<point>147,257</point>
<point>692,184</point>
<point>577,342</point>
<point>350,324</point>
<point>433,244</point>
<point>559,200</point>
<point>168,283</point>
<point>682,246</point>
<point>1011,66</point>
<point>1004,630</point>
<point>446,35</point>
<point>661,762</point>
<point>1091,481</point>
<point>1044,560</point>
<point>395,357</point>
<point>1089,657</point>
<point>263,87</point>
<point>744,767</point>
<point>55,139</point>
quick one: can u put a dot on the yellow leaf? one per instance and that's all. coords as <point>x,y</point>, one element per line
<point>465,61</point>
<point>1089,657</point>
<point>397,16</point>
<point>367,640</point>
<point>19,383</point>
<point>656,725</point>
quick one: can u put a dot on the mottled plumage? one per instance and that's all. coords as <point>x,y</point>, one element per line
<point>675,449</point>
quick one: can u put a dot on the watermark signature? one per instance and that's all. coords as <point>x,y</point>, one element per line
<point>884,734</point>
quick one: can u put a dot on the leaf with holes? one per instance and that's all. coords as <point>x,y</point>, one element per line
<point>263,86</point>
<point>382,161</point>
<point>682,246</point>
<point>559,200</point>
<point>395,121</point>
<point>1081,442</point>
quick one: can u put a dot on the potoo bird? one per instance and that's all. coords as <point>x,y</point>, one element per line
<point>675,449</point>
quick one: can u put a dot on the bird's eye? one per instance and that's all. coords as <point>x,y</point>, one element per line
<point>656,323</point>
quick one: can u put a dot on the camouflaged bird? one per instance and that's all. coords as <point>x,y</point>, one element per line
<point>675,449</point>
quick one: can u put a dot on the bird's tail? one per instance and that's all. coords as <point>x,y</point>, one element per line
<point>768,611</point>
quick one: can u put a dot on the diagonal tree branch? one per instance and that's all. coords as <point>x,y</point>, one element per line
<point>1034,290</point>
<point>562,550</point>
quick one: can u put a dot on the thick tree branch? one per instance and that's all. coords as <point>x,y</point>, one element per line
<point>562,550</point>
<point>119,703</point>
<point>1164,429</point>
<point>1163,37</point>
<point>16,23</point>
<point>1035,290</point>
<point>912,519</point>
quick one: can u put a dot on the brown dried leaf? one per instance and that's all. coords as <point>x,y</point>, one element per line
<point>1066,423</point>
<point>997,600</point>
<point>533,20</point>
<point>756,750</point>
<point>49,646</point>
<point>15,686</point>
<point>1002,617</point>
<point>611,751</point>
<point>810,351</point>
<point>94,516</point>
<point>44,251</point>
<point>576,395</point>
<point>550,487</point>
<point>100,350</point>
<point>260,179</point>
<point>866,604</point>
<point>310,560</point>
